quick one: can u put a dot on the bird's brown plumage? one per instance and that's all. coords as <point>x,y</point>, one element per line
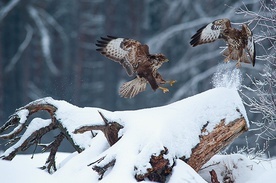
<point>240,43</point>
<point>136,60</point>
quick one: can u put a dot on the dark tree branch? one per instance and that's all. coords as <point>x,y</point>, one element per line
<point>32,139</point>
<point>68,137</point>
<point>110,129</point>
<point>104,119</point>
<point>51,163</point>
<point>19,120</point>
<point>102,169</point>
<point>13,120</point>
<point>160,168</point>
<point>214,178</point>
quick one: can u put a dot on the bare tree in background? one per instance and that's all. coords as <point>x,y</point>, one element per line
<point>264,86</point>
<point>40,19</point>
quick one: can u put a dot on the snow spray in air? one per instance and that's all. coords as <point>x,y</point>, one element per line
<point>227,76</point>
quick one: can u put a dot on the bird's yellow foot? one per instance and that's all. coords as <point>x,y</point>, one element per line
<point>227,59</point>
<point>238,64</point>
<point>172,82</point>
<point>165,90</point>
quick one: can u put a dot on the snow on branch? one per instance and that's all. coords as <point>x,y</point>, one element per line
<point>110,129</point>
<point>142,144</point>
<point>264,28</point>
<point>263,87</point>
<point>264,104</point>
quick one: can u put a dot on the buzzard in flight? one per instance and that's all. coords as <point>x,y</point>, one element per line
<point>136,60</point>
<point>241,46</point>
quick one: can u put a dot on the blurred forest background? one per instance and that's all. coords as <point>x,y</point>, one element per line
<point>47,48</point>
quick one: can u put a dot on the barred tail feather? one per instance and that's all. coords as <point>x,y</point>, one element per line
<point>245,57</point>
<point>226,52</point>
<point>133,87</point>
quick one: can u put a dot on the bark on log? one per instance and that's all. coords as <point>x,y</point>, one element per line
<point>212,143</point>
<point>214,178</point>
<point>161,168</point>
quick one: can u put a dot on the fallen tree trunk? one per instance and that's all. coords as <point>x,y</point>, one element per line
<point>149,140</point>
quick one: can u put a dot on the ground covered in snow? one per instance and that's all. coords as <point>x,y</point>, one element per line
<point>73,168</point>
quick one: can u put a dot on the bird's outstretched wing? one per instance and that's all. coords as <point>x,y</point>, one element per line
<point>133,87</point>
<point>250,47</point>
<point>210,32</point>
<point>121,50</point>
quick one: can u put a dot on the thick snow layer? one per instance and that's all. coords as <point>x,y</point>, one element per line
<point>74,168</point>
<point>180,118</point>
<point>146,132</point>
<point>184,173</point>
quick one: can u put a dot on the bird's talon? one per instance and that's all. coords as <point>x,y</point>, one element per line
<point>165,90</point>
<point>238,65</point>
<point>172,82</point>
<point>226,60</point>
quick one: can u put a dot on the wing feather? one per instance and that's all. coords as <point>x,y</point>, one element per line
<point>210,32</point>
<point>111,48</point>
<point>136,52</point>
<point>114,49</point>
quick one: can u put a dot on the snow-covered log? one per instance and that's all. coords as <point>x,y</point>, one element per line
<point>143,144</point>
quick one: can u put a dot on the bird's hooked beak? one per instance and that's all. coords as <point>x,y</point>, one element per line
<point>166,60</point>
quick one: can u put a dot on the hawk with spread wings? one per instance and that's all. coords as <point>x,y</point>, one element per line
<point>241,46</point>
<point>136,60</point>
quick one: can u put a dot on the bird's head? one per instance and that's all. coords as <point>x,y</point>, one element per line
<point>159,58</point>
